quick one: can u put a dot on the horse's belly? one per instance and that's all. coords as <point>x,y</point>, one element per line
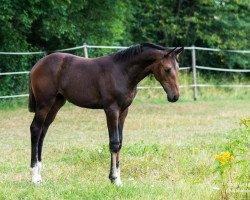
<point>81,89</point>
<point>84,102</point>
<point>87,97</point>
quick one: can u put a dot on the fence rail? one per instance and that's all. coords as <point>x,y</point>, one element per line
<point>151,87</point>
<point>14,73</point>
<point>117,47</point>
<point>194,67</point>
<point>222,69</point>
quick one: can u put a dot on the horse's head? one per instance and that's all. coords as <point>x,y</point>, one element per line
<point>165,70</point>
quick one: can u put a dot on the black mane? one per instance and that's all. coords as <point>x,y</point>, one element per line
<point>134,50</point>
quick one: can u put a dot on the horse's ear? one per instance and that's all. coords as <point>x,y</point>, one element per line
<point>169,52</point>
<point>178,51</point>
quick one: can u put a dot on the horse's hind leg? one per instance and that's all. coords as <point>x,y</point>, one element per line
<point>36,130</point>
<point>121,121</point>
<point>60,101</point>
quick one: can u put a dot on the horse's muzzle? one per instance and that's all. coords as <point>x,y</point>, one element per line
<point>173,98</point>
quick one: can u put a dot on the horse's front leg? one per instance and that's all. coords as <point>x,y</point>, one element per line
<point>112,115</point>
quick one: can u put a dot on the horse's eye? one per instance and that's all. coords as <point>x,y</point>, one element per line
<point>167,70</point>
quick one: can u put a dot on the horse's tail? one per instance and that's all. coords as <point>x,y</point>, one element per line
<point>32,100</point>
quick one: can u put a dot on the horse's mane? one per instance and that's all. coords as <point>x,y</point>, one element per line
<point>134,50</point>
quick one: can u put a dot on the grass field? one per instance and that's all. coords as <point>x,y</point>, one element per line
<point>167,152</point>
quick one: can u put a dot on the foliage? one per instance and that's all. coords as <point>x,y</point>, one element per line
<point>51,25</point>
<point>45,25</point>
<point>222,24</point>
<point>233,165</point>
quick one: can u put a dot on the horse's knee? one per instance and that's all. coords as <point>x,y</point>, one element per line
<point>33,128</point>
<point>35,131</point>
<point>115,146</point>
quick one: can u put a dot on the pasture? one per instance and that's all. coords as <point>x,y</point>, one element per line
<point>167,151</point>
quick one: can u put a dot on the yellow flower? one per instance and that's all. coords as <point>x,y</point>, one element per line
<point>222,162</point>
<point>217,156</point>
<point>223,157</point>
<point>226,154</point>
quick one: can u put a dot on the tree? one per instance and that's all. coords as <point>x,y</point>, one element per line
<point>221,24</point>
<point>35,25</point>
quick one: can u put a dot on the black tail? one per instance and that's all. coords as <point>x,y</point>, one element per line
<point>32,100</point>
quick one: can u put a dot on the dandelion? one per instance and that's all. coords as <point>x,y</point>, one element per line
<point>226,154</point>
<point>224,157</point>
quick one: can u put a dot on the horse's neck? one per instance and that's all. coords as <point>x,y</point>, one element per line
<point>137,71</point>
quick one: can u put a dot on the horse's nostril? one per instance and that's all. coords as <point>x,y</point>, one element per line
<point>173,99</point>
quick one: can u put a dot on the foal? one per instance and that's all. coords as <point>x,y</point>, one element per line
<point>107,83</point>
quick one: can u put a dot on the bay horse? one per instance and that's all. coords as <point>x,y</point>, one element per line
<point>107,82</point>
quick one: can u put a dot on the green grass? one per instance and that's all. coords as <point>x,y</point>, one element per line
<point>167,152</point>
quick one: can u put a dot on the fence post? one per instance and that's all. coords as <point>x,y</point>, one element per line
<point>194,72</point>
<point>85,50</point>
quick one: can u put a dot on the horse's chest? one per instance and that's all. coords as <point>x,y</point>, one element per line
<point>125,98</point>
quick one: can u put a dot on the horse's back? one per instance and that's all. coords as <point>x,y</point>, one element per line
<point>76,78</point>
<point>50,63</point>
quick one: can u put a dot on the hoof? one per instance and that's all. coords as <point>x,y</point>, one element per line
<point>37,179</point>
